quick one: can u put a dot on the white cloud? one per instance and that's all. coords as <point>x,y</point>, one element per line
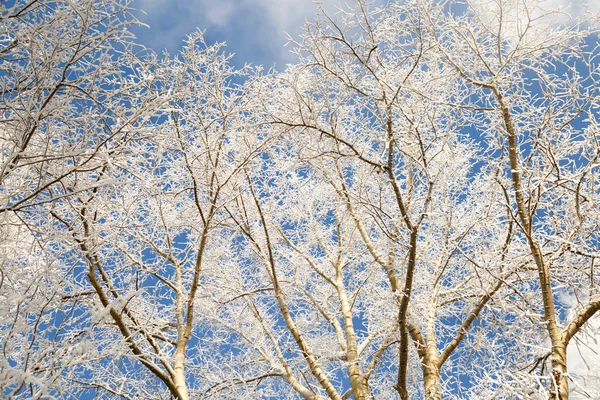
<point>575,8</point>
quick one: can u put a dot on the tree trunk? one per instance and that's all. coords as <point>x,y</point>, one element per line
<point>560,385</point>
<point>560,382</point>
<point>432,380</point>
<point>359,390</point>
<point>179,376</point>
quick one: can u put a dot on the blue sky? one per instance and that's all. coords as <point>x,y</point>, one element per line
<point>255,30</point>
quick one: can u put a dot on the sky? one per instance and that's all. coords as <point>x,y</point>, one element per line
<point>255,30</point>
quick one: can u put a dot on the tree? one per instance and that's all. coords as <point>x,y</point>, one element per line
<point>375,85</point>
<point>391,148</point>
<point>70,96</point>
<point>147,242</point>
<point>540,81</point>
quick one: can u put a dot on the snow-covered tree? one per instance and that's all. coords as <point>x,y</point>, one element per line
<point>532,81</point>
<point>410,210</point>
